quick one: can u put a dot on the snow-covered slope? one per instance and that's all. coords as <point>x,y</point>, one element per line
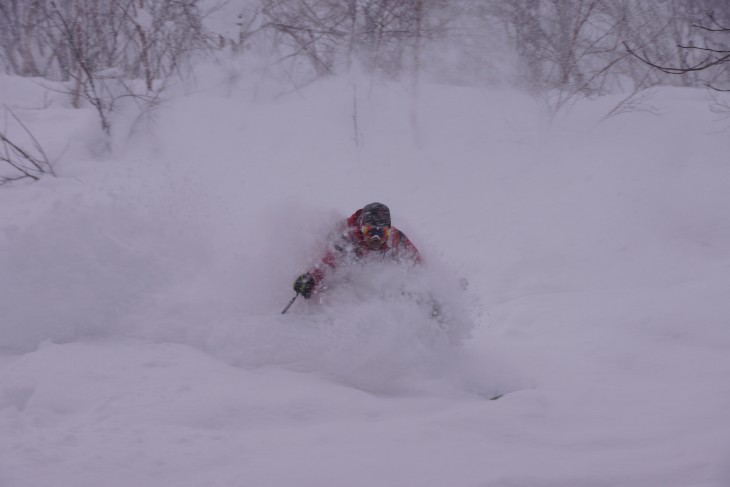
<point>140,295</point>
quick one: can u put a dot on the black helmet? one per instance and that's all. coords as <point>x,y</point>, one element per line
<point>376,214</point>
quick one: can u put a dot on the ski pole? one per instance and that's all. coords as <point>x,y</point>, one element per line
<point>290,303</point>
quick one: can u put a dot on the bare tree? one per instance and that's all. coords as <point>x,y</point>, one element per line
<point>21,26</point>
<point>566,49</point>
<point>712,53</point>
<point>312,29</point>
<point>383,36</point>
<point>107,45</point>
<point>102,48</point>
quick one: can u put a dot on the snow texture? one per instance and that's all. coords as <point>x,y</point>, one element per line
<point>141,294</point>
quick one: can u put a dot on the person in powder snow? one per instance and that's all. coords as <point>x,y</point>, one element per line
<point>368,233</point>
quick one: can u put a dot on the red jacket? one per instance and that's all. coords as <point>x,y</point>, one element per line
<point>347,243</point>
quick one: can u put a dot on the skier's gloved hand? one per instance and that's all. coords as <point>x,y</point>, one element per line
<point>304,285</point>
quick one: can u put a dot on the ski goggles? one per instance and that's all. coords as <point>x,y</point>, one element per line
<point>373,231</point>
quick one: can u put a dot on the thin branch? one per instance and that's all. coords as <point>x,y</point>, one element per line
<point>708,49</point>
<point>36,144</point>
<point>719,27</point>
<point>702,65</point>
<point>21,160</point>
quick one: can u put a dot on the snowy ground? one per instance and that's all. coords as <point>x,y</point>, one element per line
<point>140,295</point>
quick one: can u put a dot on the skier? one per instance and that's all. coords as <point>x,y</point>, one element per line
<point>365,235</point>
